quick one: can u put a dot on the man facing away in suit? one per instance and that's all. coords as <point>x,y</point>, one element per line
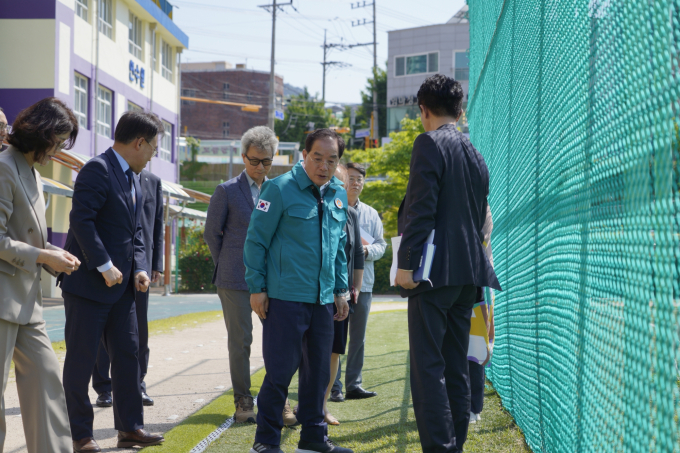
<point>225,233</point>
<point>447,192</point>
<point>99,298</point>
<point>152,233</point>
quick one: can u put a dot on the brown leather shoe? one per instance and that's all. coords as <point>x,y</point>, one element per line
<point>86,445</point>
<point>245,410</point>
<point>139,438</point>
<point>289,418</point>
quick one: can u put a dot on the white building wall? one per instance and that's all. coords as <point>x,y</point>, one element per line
<point>28,59</point>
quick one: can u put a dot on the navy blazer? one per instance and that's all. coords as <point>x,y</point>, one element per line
<point>152,219</point>
<point>226,227</point>
<point>447,191</point>
<point>103,227</point>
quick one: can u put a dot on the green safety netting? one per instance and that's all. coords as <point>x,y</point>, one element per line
<point>574,105</point>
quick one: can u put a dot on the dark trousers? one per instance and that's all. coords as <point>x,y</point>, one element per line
<point>101,380</point>
<point>477,381</point>
<point>295,334</point>
<point>87,324</point>
<point>439,333</point>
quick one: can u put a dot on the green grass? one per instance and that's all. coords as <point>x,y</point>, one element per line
<point>385,424</point>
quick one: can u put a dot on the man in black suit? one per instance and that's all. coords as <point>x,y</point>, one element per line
<point>152,234</point>
<point>99,299</point>
<point>447,192</point>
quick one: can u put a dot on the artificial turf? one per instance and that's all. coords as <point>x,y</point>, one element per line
<point>384,424</point>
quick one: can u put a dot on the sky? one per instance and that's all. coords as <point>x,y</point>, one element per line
<point>240,32</point>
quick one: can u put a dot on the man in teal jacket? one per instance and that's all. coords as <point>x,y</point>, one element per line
<point>295,270</point>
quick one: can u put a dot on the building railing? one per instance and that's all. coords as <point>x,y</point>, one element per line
<point>165,6</point>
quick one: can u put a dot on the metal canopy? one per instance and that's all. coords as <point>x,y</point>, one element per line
<point>56,188</point>
<point>187,213</point>
<point>176,191</point>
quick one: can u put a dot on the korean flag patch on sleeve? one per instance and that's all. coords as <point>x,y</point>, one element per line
<point>263,205</point>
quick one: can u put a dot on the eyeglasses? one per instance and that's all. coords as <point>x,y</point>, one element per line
<point>329,163</point>
<point>358,180</point>
<point>255,162</point>
<point>155,150</point>
<point>3,127</point>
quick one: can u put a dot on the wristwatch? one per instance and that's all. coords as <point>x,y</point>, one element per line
<point>344,292</point>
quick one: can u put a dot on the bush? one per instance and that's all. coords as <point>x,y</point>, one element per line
<point>196,266</point>
<point>382,274</point>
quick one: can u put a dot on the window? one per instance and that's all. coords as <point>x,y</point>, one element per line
<point>135,36</point>
<point>400,71</point>
<point>80,105</point>
<point>104,111</point>
<point>106,18</point>
<point>166,61</point>
<point>461,65</point>
<point>81,9</point>
<point>225,86</point>
<point>225,95</point>
<point>132,107</point>
<point>189,94</point>
<point>165,148</point>
<point>416,64</point>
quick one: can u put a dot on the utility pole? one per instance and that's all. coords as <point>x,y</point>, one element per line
<point>272,77</point>
<point>375,129</point>
<point>340,64</point>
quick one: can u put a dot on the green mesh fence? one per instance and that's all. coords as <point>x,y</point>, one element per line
<point>574,105</point>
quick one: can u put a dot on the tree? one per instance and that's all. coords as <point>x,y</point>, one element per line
<point>378,82</point>
<point>391,163</point>
<point>189,169</point>
<point>301,110</point>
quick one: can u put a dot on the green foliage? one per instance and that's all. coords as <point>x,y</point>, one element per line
<point>392,162</point>
<point>195,264</point>
<point>301,110</point>
<point>363,118</point>
<point>189,169</point>
<point>382,273</point>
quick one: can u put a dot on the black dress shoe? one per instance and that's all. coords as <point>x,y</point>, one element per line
<point>337,396</point>
<point>146,400</point>
<point>104,400</point>
<point>359,394</point>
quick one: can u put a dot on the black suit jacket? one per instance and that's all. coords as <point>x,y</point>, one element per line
<point>103,227</point>
<point>447,191</point>
<point>152,219</point>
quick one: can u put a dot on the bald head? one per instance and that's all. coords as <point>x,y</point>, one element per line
<point>341,174</point>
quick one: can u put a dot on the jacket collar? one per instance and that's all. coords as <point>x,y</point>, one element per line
<point>32,187</point>
<point>122,180</point>
<point>303,180</point>
<point>22,165</point>
<point>244,185</point>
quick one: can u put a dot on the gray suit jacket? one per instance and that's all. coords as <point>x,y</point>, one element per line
<point>225,231</point>
<point>23,233</point>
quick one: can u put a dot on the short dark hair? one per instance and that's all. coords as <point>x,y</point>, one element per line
<point>442,95</point>
<point>358,167</point>
<point>324,133</point>
<point>135,124</point>
<point>1,109</point>
<point>35,128</point>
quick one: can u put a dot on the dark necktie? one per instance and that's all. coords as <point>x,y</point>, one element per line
<point>130,177</point>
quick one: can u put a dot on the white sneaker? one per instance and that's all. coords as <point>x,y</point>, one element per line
<point>473,418</point>
<point>478,417</point>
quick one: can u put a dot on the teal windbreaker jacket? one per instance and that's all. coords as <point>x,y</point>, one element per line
<point>285,251</point>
